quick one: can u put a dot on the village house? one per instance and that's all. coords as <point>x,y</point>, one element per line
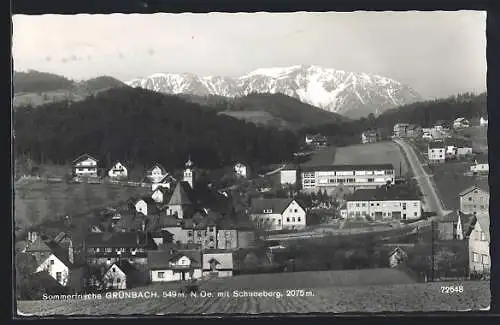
<point>85,166</point>
<point>166,183</point>
<point>106,248</point>
<point>460,123</point>
<point>242,170</point>
<point>453,225</point>
<point>146,206</point>
<point>397,257</point>
<point>438,132</point>
<point>463,148</point>
<point>483,122</point>
<point>218,263</point>
<point>202,228</point>
<point>384,203</point>
<point>118,171</point>
<point>277,213</point>
<point>399,130</point>
<point>479,244</point>
<point>414,131</point>
<point>174,265</point>
<point>480,165</point>
<point>475,199</point>
<point>159,195</point>
<point>436,152</point>
<point>329,177</point>
<point>369,136</point>
<point>288,175</point>
<point>156,173</point>
<point>121,275</point>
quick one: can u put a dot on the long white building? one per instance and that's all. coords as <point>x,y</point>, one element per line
<point>354,176</point>
<point>383,204</point>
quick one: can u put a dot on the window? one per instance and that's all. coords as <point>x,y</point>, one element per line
<point>293,219</point>
<point>475,257</point>
<point>486,259</point>
<point>371,180</point>
<point>114,270</point>
<point>287,219</point>
<point>372,204</point>
<point>295,210</point>
<point>363,205</point>
<point>211,238</point>
<point>118,280</point>
<point>268,211</point>
<point>108,250</point>
<point>190,233</point>
<point>298,219</point>
<point>357,205</point>
<point>97,249</point>
<point>470,198</point>
<point>279,222</point>
<point>58,276</point>
<point>415,214</point>
<point>51,262</point>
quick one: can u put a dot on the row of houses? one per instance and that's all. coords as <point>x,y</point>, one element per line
<point>87,166</point>
<point>330,177</point>
<point>316,141</point>
<point>440,151</point>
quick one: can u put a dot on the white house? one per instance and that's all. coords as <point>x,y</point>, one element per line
<point>460,123</point>
<point>146,206</point>
<point>156,173</point>
<point>85,166</point>
<point>166,182</point>
<point>479,244</point>
<point>241,170</point>
<point>118,171</point>
<point>483,122</point>
<point>171,265</point>
<point>218,263</point>
<point>278,214</point>
<point>480,166</point>
<point>383,204</point>
<point>120,276</point>
<point>329,177</point>
<point>369,136</point>
<point>436,152</point>
<point>57,267</point>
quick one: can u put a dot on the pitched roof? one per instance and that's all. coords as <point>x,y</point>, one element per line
<point>347,167</point>
<point>484,222</point>
<point>481,158</point>
<point>163,170</point>
<point>44,280</point>
<point>123,265</point>
<point>277,205</point>
<point>397,249</point>
<point>61,253</point>
<point>437,145</point>
<point>480,185</point>
<point>181,194</point>
<point>382,193</point>
<point>119,239</point>
<point>459,143</point>
<point>224,260</point>
<point>39,245</point>
<point>162,259</point>
<point>83,157</point>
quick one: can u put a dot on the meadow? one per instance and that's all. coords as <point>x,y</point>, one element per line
<point>375,290</point>
<point>385,152</point>
<point>37,202</point>
<point>450,181</point>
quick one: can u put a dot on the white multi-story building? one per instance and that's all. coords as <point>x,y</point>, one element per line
<point>384,203</point>
<point>288,175</point>
<point>480,166</point>
<point>85,166</point>
<point>436,152</point>
<point>354,176</point>
<point>278,214</point>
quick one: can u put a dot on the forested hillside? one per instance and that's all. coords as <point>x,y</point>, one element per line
<point>38,82</point>
<point>142,126</point>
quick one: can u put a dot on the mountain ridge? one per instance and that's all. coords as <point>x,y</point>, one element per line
<point>351,94</point>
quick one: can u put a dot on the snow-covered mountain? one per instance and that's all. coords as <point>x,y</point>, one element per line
<point>347,93</point>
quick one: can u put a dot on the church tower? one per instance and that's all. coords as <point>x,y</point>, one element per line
<point>189,173</point>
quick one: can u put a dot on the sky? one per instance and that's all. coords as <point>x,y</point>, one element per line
<point>436,53</point>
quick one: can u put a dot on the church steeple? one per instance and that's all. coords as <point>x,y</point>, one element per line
<point>189,172</point>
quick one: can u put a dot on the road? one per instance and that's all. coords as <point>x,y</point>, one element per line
<point>431,198</point>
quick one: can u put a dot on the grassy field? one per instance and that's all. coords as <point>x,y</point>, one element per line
<point>36,202</point>
<point>479,137</point>
<point>376,290</point>
<point>450,180</point>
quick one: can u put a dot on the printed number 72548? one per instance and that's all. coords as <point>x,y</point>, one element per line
<point>452,289</point>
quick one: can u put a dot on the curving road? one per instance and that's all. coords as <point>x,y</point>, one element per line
<point>432,202</point>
